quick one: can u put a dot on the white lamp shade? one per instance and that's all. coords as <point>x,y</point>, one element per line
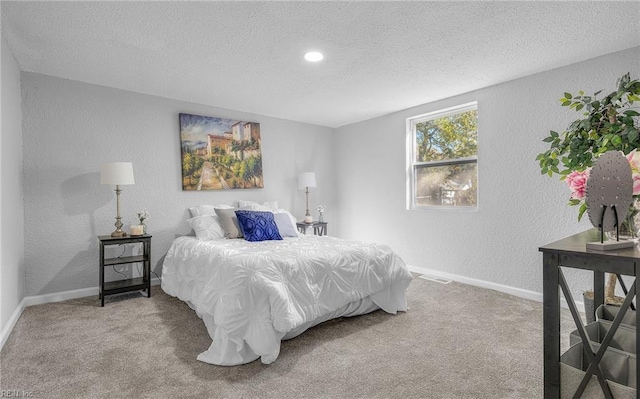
<point>116,173</point>
<point>307,179</point>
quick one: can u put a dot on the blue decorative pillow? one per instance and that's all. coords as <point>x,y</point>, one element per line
<point>258,226</point>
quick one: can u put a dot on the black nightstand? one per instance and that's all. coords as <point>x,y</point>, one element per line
<point>319,228</point>
<point>132,284</point>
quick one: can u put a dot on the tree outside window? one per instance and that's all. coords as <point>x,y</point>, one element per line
<point>444,158</point>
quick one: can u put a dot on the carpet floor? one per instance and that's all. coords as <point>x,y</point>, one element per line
<point>456,341</point>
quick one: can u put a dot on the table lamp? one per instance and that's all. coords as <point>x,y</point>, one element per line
<point>306,180</point>
<point>118,174</point>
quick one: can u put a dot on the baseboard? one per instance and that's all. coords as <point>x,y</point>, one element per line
<point>519,292</point>
<point>6,331</point>
<point>60,296</point>
<point>66,295</point>
<point>49,298</point>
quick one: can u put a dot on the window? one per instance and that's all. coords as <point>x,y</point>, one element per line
<point>442,149</point>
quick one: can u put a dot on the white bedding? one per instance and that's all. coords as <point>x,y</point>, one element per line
<point>251,295</point>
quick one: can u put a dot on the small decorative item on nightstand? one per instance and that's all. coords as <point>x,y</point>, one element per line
<point>143,215</point>
<point>320,210</point>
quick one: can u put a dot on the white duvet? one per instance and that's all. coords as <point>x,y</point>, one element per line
<point>251,295</point>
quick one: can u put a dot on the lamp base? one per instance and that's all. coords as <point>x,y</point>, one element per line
<point>118,232</point>
<point>308,219</point>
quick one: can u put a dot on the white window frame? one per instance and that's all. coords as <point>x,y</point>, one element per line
<point>412,165</point>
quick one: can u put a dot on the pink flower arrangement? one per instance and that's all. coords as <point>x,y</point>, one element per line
<point>577,181</point>
<point>634,161</point>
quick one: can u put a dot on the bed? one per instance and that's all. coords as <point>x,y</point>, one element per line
<point>253,295</point>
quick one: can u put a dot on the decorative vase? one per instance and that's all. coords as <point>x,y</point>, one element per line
<point>320,218</point>
<point>144,228</point>
<point>628,229</point>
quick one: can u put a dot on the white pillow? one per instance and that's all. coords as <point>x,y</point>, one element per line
<point>284,225</point>
<point>206,209</point>
<point>271,205</point>
<point>291,218</point>
<point>259,208</point>
<point>207,227</point>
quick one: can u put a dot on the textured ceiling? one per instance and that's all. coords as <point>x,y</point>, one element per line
<point>380,57</point>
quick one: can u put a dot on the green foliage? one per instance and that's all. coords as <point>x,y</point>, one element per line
<point>607,124</point>
<point>449,137</point>
<point>251,169</point>
<point>239,168</point>
<point>191,166</point>
<point>186,164</point>
<point>241,146</point>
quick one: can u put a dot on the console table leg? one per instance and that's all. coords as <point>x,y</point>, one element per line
<point>551,323</point>
<point>637,326</point>
<point>598,289</point>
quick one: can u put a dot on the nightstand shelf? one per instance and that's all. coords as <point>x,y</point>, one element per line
<point>123,260</point>
<point>131,284</point>
<point>120,286</point>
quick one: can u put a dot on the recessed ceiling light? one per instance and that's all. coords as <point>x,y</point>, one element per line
<point>313,56</point>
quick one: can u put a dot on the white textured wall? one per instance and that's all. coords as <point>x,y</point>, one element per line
<point>71,127</point>
<point>11,198</point>
<point>519,210</point>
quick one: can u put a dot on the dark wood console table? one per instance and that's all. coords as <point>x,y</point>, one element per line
<point>571,252</point>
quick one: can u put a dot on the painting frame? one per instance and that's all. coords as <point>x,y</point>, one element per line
<point>219,153</point>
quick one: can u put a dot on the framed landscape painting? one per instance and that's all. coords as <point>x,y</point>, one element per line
<point>219,154</point>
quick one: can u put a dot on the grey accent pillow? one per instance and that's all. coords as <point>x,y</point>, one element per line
<point>200,210</point>
<point>229,222</point>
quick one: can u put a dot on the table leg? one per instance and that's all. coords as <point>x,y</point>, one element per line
<point>101,288</point>
<point>551,326</point>
<point>637,325</point>
<point>598,289</point>
<point>147,270</point>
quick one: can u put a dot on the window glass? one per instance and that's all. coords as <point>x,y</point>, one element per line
<point>444,158</point>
